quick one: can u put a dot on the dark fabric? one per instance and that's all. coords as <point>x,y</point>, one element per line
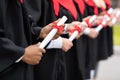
<point>105,45</point>
<point>56,64</point>
<point>110,40</point>
<point>99,48</point>
<point>75,56</point>
<point>107,37</point>
<point>92,47</point>
<point>52,65</point>
<point>15,35</point>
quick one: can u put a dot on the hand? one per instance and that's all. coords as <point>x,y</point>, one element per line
<point>33,54</point>
<point>109,23</point>
<point>99,19</point>
<point>66,45</point>
<point>113,15</point>
<point>45,30</point>
<point>93,34</point>
<point>86,18</point>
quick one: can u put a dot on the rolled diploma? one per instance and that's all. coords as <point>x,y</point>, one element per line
<point>87,30</point>
<point>106,18</point>
<point>110,11</point>
<point>72,37</point>
<point>100,26</point>
<point>92,18</point>
<point>114,20</point>
<point>75,33</point>
<point>52,33</point>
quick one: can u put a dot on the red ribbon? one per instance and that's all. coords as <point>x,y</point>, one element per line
<point>76,28</point>
<point>67,4</point>
<point>89,24</point>
<point>100,23</point>
<point>59,28</point>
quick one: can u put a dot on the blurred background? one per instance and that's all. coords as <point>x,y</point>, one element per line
<point>110,69</point>
<point>115,4</point>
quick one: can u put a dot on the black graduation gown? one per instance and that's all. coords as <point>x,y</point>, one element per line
<point>101,47</point>
<point>55,64</point>
<point>15,35</point>
<point>110,41</point>
<point>51,67</point>
<point>92,47</point>
<point>97,48</point>
<point>106,38</point>
<point>75,58</point>
<point>82,46</point>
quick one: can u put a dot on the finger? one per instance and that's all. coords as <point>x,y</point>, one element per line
<point>56,36</point>
<point>39,54</point>
<point>38,44</point>
<point>38,58</point>
<point>42,50</point>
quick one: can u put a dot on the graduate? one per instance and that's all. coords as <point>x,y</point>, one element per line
<point>52,65</point>
<point>18,54</point>
<point>108,50</point>
<point>105,38</point>
<point>75,57</point>
<point>91,52</point>
<point>100,44</point>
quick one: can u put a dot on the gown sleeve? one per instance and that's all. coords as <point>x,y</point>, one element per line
<point>9,52</point>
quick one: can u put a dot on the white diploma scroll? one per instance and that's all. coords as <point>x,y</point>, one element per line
<point>105,19</point>
<point>100,26</point>
<point>114,20</point>
<point>92,19</point>
<point>75,33</point>
<point>52,33</point>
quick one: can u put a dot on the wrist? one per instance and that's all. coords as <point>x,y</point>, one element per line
<point>56,43</point>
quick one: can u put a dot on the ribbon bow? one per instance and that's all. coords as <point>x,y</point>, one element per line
<point>101,23</point>
<point>89,24</point>
<point>59,28</point>
<point>76,28</point>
